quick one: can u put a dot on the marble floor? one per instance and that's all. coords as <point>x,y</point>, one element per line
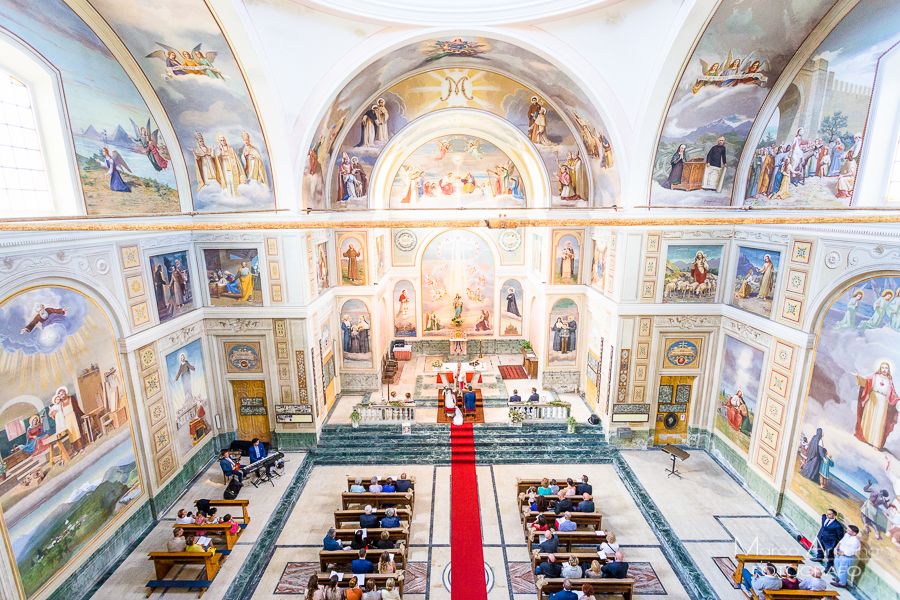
<point>128,581</point>
<point>416,378</point>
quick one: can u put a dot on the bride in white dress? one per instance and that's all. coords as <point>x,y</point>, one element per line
<point>449,400</point>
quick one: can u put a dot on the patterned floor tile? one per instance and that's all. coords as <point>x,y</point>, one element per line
<point>295,577</point>
<point>521,578</point>
<point>415,578</point>
<point>646,581</point>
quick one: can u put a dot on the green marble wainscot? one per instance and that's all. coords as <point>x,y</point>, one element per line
<point>294,440</point>
<point>733,460</point>
<point>699,437</point>
<point>641,439</point>
<point>169,493</point>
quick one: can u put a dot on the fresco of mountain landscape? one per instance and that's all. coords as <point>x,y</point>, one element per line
<point>742,367</point>
<point>187,60</point>
<point>63,478</point>
<point>105,112</point>
<point>738,59</point>
<point>375,106</point>
<point>848,454</point>
<point>810,151</point>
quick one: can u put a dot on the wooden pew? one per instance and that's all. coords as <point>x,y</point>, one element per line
<point>775,559</point>
<point>164,561</point>
<point>367,481</point>
<point>522,485</point>
<point>379,579</point>
<point>222,530</point>
<point>568,539</point>
<point>524,504</point>
<point>799,594</point>
<point>377,500</point>
<point>345,557</point>
<point>537,557</point>
<point>229,506</point>
<point>581,519</point>
<point>546,587</point>
<point>398,534</point>
<point>351,516</point>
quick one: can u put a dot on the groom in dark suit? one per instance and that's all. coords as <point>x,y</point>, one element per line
<point>828,537</point>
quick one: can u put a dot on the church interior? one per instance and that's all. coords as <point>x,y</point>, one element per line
<point>342,299</point>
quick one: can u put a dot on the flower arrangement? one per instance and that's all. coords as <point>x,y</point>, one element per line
<point>560,403</point>
<point>516,415</point>
<point>355,417</point>
<point>437,364</point>
<point>526,345</point>
<point>457,321</point>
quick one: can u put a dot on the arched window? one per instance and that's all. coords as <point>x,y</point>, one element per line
<point>23,181</point>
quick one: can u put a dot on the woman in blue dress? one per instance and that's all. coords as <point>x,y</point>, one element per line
<point>113,162</point>
<point>514,189</point>
<point>233,286</point>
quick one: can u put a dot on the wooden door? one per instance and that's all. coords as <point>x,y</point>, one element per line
<point>252,410</point>
<point>673,408</point>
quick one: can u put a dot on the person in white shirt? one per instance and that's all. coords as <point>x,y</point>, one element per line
<point>184,518</point>
<point>814,583</point>
<point>177,543</point>
<point>610,546</point>
<point>846,552</point>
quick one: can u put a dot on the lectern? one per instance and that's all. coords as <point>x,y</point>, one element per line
<point>676,453</point>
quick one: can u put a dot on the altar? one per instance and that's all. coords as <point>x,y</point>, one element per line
<point>447,373</point>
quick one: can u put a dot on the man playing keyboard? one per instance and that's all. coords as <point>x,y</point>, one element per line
<point>257,453</point>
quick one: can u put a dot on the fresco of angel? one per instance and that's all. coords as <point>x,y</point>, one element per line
<point>193,62</point>
<point>732,72</point>
<point>442,149</point>
<point>113,163</point>
<point>473,147</point>
<point>148,138</point>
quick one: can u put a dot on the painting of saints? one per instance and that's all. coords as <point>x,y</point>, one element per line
<point>205,163</point>
<point>355,335</point>
<point>563,332</point>
<point>65,409</point>
<point>367,128</point>
<point>352,255</point>
<point>511,306</point>
<point>35,434</point>
<point>382,116</point>
<point>567,260</point>
<point>876,412</point>
<point>457,306</point>
<point>45,317</point>
<point>254,169</point>
<point>230,168</point>
<point>738,416</point>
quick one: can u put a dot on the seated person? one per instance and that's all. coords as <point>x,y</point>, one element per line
<point>562,504</point>
<point>617,569</point>
<point>586,505</point>
<point>357,487</point>
<point>531,492</point>
<point>587,592</point>
<point>390,591</point>
<point>814,582</point>
<point>408,399</point>
<point>541,504</point>
<point>368,520</point>
<point>359,542</point>
<point>191,545</point>
<point>177,543</point>
<point>258,452</point>
<point>594,571</point>
<point>385,542</point>
<point>371,592</point>
<point>566,593</point>
<point>760,581</point>
<point>584,487</point>
<point>554,489</point>
<point>211,518</point>
<point>388,487</point>
<point>789,580</point>
<point>374,488</point>
<point>570,487</point>
<point>550,543</point>
<point>184,517</point>
<point>610,546</point>
<point>332,592</point>
<point>330,543</point>
<point>549,568</point>
<point>540,524</point>
<point>566,524</point>
<point>390,519</point>
<point>571,570</point>
<point>515,396</point>
<point>219,537</point>
<point>353,591</point>
<point>403,485</point>
<point>385,565</point>
<point>534,397</point>
<point>361,565</point>
<point>544,489</point>
<point>229,467</point>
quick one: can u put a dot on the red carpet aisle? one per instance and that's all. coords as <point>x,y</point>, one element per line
<point>466,554</point>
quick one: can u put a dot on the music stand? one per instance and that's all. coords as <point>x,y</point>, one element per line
<point>676,453</point>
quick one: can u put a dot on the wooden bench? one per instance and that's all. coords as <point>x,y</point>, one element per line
<point>223,530</point>
<point>351,516</point>
<point>397,534</point>
<point>367,481</point>
<point>568,539</point>
<point>379,579</point>
<point>229,504</point>
<point>345,557</point>
<point>377,500</point>
<point>778,594</point>
<point>524,504</point>
<point>522,485</point>
<point>164,561</point>
<point>546,587</point>
<point>580,519</point>
<point>537,557</point>
<point>775,559</point>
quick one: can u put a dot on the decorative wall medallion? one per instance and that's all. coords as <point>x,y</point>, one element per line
<point>778,383</point>
<point>652,243</point>
<point>161,438</point>
<point>637,395</point>
<point>833,259</point>
<point>140,315</point>
<point>135,286</point>
<point>774,410</point>
<point>280,328</point>
<point>157,412</point>
<point>284,372</point>
<point>784,355</point>
<point>643,351</point>
<point>640,372</point>
<point>102,265</point>
<point>165,464</point>
<point>765,460</point>
<point>801,252</point>
<point>682,353</point>
<point>243,357</point>
<point>276,293</point>
<point>796,282</point>
<point>510,240</point>
<point>650,266</point>
<point>147,355</point>
<point>648,290</point>
<point>644,325</point>
<point>272,246</point>
<point>791,310</point>
<point>151,384</point>
<point>281,350</point>
<point>286,397</point>
<point>769,436</point>
<point>131,258</point>
<point>274,271</point>
<point>405,240</point>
